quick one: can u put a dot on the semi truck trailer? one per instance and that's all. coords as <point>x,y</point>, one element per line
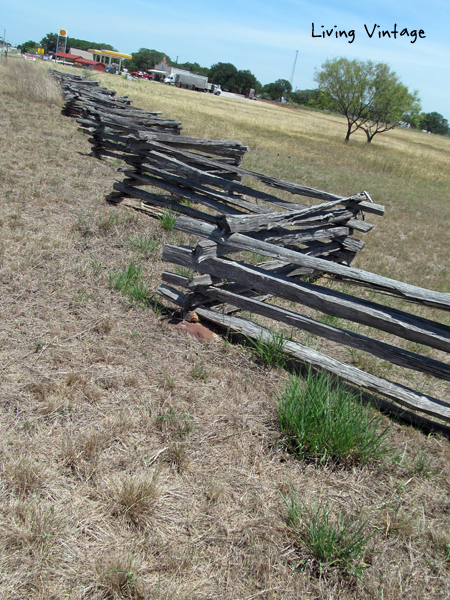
<point>188,80</point>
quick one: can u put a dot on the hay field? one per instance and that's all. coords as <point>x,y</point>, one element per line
<point>138,463</point>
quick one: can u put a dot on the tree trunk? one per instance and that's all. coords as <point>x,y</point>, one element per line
<point>349,131</point>
<point>368,134</point>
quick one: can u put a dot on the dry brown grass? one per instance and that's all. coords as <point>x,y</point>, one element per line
<point>137,463</point>
<point>28,82</point>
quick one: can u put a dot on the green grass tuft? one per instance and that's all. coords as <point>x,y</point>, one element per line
<point>322,419</point>
<point>335,541</point>
<point>269,352</point>
<point>147,244</point>
<point>107,222</point>
<point>175,423</point>
<point>168,219</point>
<point>200,372</point>
<point>129,282</point>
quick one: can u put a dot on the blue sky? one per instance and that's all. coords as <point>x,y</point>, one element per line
<point>258,35</point>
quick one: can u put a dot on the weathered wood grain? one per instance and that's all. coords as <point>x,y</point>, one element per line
<point>293,188</point>
<point>325,300</point>
<point>393,354</point>
<point>189,184</point>
<point>183,193</point>
<point>286,237</point>
<point>230,148</point>
<point>162,201</point>
<point>246,223</point>
<point>400,394</point>
<point>197,175</point>
<point>246,243</point>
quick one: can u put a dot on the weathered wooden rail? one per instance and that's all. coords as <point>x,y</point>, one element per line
<point>235,214</point>
<point>235,285</point>
<point>203,179</point>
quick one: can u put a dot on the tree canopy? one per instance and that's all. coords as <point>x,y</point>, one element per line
<point>229,78</point>
<point>194,68</point>
<point>223,74</point>
<point>368,94</point>
<point>389,101</point>
<point>434,122</point>
<point>145,59</point>
<point>281,88</point>
<point>27,46</point>
<point>244,81</point>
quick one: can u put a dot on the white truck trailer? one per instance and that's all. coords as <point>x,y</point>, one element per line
<point>195,82</point>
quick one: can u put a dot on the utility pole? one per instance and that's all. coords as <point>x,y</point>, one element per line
<point>293,68</point>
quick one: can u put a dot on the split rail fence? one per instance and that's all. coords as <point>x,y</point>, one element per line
<point>239,214</point>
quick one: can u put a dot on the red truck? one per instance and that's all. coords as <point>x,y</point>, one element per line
<point>141,75</point>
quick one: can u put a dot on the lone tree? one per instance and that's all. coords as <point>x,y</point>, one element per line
<point>389,102</point>
<point>368,94</point>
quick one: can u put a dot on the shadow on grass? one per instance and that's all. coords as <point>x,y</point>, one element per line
<point>396,413</point>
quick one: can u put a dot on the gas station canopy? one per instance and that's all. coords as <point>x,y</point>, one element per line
<point>109,55</point>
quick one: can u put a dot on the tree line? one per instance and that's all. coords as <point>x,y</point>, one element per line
<point>224,74</point>
<point>370,95</point>
<point>48,42</point>
<point>227,75</point>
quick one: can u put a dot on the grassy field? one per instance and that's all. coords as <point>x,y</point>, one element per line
<point>407,171</point>
<point>138,463</point>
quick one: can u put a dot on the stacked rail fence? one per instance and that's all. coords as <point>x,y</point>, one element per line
<point>237,215</point>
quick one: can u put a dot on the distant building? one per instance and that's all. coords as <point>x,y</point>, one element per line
<point>82,53</point>
<point>90,64</point>
<point>163,69</point>
<point>106,57</point>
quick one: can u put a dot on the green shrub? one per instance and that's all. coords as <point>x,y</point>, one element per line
<point>321,418</point>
